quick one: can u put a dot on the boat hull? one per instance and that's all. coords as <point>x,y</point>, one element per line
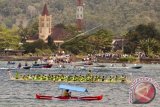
<point>42,66</point>
<point>44,97</point>
<point>136,67</point>
<point>86,98</point>
<point>26,67</point>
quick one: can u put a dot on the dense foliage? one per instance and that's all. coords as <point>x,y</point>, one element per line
<point>9,38</point>
<point>94,43</point>
<point>30,30</point>
<point>142,38</point>
<point>117,15</point>
<point>32,47</point>
<point>145,38</point>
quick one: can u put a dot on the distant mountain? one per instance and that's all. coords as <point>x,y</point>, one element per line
<point>116,15</point>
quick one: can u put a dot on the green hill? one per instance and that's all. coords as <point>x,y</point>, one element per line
<point>116,15</point>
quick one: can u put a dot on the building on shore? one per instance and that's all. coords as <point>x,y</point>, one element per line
<point>57,32</point>
<point>45,24</point>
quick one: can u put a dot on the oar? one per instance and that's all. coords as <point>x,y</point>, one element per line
<point>10,74</point>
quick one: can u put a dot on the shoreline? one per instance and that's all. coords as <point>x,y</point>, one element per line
<point>20,58</point>
<point>99,60</point>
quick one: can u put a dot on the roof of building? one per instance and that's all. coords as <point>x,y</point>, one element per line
<point>59,32</point>
<point>33,37</point>
<point>45,11</point>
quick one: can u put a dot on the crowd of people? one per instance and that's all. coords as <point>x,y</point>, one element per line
<point>111,55</point>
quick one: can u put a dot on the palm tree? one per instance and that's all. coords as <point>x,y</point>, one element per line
<point>149,46</point>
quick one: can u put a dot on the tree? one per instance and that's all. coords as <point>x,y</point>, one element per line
<point>51,43</point>
<point>30,31</point>
<point>149,46</point>
<point>99,41</point>
<point>8,39</point>
<point>31,47</point>
<point>23,32</point>
<point>140,33</point>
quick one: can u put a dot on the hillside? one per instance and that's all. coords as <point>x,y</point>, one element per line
<point>116,15</point>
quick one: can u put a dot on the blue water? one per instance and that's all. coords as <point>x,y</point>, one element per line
<point>22,94</point>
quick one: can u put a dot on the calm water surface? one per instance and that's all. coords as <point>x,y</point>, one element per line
<point>22,94</point>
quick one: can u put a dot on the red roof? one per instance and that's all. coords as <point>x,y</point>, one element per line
<point>33,37</point>
<point>45,11</point>
<point>58,33</point>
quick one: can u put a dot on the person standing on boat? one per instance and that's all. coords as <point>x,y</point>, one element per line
<point>17,75</point>
<point>67,93</point>
<point>19,65</point>
<point>26,64</point>
<point>89,74</point>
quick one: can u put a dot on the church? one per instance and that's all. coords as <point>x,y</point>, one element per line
<point>45,24</point>
<point>57,32</point>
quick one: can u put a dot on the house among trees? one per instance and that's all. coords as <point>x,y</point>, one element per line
<point>117,44</point>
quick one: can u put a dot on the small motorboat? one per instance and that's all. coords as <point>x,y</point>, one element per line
<point>11,63</point>
<point>100,66</point>
<point>26,67</point>
<point>41,66</point>
<point>136,66</point>
<point>46,65</point>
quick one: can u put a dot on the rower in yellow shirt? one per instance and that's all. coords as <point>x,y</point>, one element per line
<point>67,93</point>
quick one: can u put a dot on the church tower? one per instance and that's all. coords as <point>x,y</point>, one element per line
<point>45,24</point>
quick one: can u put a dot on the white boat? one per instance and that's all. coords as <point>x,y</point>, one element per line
<point>12,68</point>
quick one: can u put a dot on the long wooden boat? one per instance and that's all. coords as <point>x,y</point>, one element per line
<point>85,79</point>
<point>106,81</point>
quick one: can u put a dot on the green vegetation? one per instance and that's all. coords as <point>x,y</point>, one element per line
<point>94,43</point>
<point>36,46</point>
<point>9,38</point>
<point>141,38</point>
<point>127,59</point>
<point>29,31</point>
<point>116,15</point>
<point>144,38</point>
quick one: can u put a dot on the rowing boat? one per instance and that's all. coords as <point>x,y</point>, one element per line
<point>106,81</point>
<point>70,88</point>
<point>79,79</point>
<point>86,98</point>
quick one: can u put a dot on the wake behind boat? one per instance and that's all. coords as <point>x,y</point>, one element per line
<point>9,68</point>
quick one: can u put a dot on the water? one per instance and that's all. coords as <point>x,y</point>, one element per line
<point>22,94</point>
